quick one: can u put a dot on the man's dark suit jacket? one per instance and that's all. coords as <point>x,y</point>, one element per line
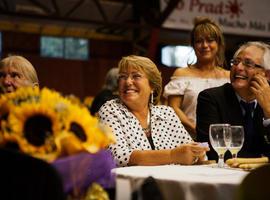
<point>220,105</point>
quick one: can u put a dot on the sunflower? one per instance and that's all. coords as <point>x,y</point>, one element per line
<point>10,141</point>
<point>34,126</point>
<point>9,100</point>
<point>5,108</point>
<point>74,100</point>
<point>46,125</point>
<point>51,96</point>
<point>88,101</point>
<point>85,133</point>
<point>23,94</point>
<point>57,102</point>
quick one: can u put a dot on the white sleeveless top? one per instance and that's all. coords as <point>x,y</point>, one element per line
<point>190,87</point>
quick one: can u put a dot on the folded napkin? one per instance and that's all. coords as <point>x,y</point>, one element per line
<point>247,163</point>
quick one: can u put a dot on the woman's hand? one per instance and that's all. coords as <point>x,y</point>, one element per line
<point>188,154</point>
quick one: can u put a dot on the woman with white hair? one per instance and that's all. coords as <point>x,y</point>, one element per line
<point>16,71</point>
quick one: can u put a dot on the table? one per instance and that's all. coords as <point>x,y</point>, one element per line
<point>197,182</point>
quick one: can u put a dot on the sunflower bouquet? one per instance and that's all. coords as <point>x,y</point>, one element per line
<point>46,125</point>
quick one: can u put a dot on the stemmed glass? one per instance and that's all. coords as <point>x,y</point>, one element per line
<point>228,139</point>
<point>237,140</point>
<point>217,132</point>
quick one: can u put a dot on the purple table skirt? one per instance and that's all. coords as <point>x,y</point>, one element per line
<point>80,170</point>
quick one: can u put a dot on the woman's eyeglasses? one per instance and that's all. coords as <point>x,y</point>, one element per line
<point>133,76</point>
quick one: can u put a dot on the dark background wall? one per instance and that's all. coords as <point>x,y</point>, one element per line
<point>81,78</point>
<point>114,28</point>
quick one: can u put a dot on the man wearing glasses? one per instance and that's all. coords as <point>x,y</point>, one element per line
<point>248,92</point>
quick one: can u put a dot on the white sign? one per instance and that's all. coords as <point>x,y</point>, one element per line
<point>242,17</point>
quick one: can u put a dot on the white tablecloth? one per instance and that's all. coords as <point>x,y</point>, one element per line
<point>181,182</point>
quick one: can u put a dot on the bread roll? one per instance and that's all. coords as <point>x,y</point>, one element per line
<point>251,166</point>
<point>235,162</point>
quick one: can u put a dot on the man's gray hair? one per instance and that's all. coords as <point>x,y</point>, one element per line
<point>111,80</point>
<point>262,45</point>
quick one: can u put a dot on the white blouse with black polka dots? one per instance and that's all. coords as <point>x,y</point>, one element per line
<point>166,129</point>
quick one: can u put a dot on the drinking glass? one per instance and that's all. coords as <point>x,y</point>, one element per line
<point>228,139</point>
<point>237,140</point>
<point>216,134</point>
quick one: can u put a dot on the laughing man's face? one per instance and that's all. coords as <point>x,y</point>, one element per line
<point>241,75</point>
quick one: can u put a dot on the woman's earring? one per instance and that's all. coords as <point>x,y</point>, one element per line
<point>152,97</point>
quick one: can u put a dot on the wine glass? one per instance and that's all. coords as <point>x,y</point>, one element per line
<point>216,134</point>
<point>237,140</point>
<point>228,139</point>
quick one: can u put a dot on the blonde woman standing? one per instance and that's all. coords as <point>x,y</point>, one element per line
<point>186,83</point>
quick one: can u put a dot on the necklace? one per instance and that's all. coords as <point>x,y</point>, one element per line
<point>147,130</point>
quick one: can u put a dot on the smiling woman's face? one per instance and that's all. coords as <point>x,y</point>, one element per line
<point>206,48</point>
<point>134,87</point>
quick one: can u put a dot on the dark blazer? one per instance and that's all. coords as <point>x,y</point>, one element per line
<point>100,99</point>
<point>220,105</point>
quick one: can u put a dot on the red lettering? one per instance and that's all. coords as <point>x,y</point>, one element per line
<point>209,8</point>
<point>193,3</point>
